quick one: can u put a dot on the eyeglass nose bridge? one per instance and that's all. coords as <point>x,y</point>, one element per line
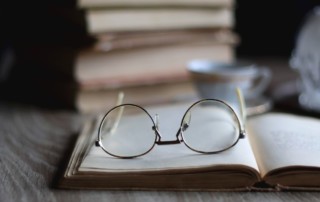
<point>158,134</point>
<point>167,142</point>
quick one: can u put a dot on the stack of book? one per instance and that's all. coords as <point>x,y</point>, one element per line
<point>140,47</point>
<point>143,47</point>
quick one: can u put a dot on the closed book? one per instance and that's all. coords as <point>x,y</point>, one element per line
<point>112,20</point>
<point>150,65</point>
<point>129,40</point>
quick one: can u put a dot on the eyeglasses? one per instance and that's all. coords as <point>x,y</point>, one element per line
<point>208,126</point>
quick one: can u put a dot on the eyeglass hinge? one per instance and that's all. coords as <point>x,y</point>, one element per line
<point>243,134</point>
<point>98,143</point>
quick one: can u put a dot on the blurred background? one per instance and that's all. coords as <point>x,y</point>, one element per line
<point>79,54</point>
<point>270,28</point>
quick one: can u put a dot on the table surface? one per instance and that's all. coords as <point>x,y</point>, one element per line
<point>34,143</point>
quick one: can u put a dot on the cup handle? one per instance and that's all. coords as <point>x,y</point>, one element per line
<point>263,79</point>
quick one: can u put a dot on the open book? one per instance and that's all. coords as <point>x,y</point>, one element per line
<point>280,151</point>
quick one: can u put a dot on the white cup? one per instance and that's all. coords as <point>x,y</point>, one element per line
<point>219,80</point>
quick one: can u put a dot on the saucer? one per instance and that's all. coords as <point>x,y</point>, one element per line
<point>258,105</point>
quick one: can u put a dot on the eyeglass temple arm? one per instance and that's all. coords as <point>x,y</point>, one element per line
<point>115,124</point>
<point>120,112</point>
<point>243,112</point>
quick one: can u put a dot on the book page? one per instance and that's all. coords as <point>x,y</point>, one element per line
<point>281,140</point>
<point>164,157</point>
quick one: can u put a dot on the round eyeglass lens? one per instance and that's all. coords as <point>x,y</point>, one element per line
<point>126,131</point>
<point>210,126</point>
